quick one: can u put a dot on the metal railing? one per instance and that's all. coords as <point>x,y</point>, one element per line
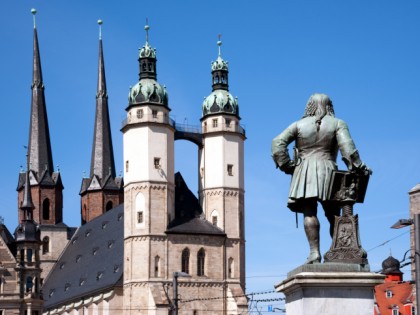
<point>185,127</point>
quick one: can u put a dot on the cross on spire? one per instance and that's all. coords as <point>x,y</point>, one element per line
<point>219,43</point>
<point>146,28</point>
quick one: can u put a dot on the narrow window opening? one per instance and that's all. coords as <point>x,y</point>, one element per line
<point>29,255</point>
<point>201,256</point>
<point>139,113</point>
<point>156,162</point>
<point>185,261</point>
<point>230,169</point>
<point>108,206</point>
<point>29,284</point>
<point>126,166</point>
<point>140,217</point>
<point>157,266</point>
<point>230,268</point>
<point>214,220</point>
<point>46,209</point>
<point>214,123</point>
<point>154,113</point>
<point>45,245</point>
<point>228,121</point>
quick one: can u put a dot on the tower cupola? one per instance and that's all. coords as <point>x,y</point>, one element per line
<point>220,100</point>
<point>147,90</point>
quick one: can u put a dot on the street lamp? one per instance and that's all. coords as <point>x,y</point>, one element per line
<point>175,287</point>
<point>407,222</point>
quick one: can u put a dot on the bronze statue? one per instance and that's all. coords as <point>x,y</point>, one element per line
<point>318,136</point>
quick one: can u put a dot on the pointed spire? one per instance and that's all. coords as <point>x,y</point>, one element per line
<point>27,204</point>
<point>102,162</point>
<point>27,196</point>
<point>39,149</point>
<point>101,89</point>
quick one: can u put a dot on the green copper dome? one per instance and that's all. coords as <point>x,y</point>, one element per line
<point>148,90</point>
<point>220,101</point>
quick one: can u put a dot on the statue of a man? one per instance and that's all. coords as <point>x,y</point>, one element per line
<point>318,136</point>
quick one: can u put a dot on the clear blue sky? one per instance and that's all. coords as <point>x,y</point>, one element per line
<point>364,54</point>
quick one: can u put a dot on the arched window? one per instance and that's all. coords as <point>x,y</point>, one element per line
<point>157,266</point>
<point>201,257</point>
<point>108,206</point>
<point>230,268</point>
<point>144,66</point>
<point>45,245</point>
<point>185,261</point>
<point>46,209</point>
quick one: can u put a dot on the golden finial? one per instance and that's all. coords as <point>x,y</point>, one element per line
<point>219,43</point>
<point>33,11</point>
<point>147,27</point>
<point>100,28</point>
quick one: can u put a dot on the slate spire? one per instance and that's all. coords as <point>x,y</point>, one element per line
<point>46,185</point>
<point>102,162</point>
<point>102,190</point>
<point>39,148</point>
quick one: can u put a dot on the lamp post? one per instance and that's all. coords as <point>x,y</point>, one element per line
<point>403,223</point>
<point>175,287</point>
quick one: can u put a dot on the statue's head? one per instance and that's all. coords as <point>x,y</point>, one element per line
<point>319,105</point>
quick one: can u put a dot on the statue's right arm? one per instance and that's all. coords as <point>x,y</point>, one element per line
<point>279,151</point>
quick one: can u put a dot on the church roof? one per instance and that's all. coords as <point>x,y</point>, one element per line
<point>188,213</point>
<point>92,261</point>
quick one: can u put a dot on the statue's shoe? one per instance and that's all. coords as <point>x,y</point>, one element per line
<point>313,258</point>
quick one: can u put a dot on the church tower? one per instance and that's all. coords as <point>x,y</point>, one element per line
<point>46,185</point>
<point>148,140</point>
<point>28,243</point>
<point>221,163</point>
<point>102,190</point>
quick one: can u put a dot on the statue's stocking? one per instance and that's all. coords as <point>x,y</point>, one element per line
<point>311,225</point>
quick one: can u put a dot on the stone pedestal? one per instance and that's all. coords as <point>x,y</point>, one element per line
<point>330,289</point>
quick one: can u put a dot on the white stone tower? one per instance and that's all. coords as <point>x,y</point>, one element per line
<point>148,142</point>
<point>222,168</point>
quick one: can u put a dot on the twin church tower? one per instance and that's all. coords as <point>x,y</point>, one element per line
<point>166,228</point>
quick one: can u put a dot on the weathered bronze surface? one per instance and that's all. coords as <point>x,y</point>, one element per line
<point>347,188</point>
<point>318,136</point>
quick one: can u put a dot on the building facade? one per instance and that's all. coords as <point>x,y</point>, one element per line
<point>139,233</point>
